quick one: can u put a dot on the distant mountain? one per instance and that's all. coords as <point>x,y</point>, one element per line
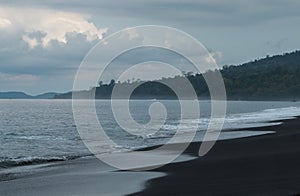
<point>46,96</point>
<point>22,95</point>
<point>271,78</point>
<point>14,95</point>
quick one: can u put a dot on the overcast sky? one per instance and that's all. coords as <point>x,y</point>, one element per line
<point>43,42</point>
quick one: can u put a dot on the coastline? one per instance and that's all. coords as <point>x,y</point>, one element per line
<point>258,165</point>
<point>82,176</point>
<point>255,165</point>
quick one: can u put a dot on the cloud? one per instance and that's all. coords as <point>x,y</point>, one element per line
<point>53,25</point>
<point>32,42</point>
<point>19,79</point>
<point>50,38</point>
<point>218,56</point>
<point>189,12</point>
<point>4,23</point>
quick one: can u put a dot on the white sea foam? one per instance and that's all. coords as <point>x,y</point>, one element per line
<point>264,118</point>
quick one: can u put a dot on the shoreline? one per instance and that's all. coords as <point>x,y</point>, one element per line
<point>258,165</point>
<point>214,173</point>
<point>82,176</point>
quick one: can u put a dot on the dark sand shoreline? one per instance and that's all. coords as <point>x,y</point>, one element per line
<point>81,177</point>
<point>258,165</point>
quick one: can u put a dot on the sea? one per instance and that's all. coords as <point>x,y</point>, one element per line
<point>41,131</point>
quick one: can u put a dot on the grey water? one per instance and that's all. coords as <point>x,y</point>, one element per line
<point>37,131</point>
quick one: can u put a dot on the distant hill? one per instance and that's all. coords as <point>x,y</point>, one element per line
<point>276,77</point>
<point>14,95</point>
<point>22,95</point>
<point>270,78</point>
<point>46,96</point>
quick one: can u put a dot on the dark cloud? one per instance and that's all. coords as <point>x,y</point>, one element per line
<point>57,55</point>
<point>239,29</point>
<point>190,12</point>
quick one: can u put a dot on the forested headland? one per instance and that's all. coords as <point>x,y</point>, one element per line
<point>270,78</point>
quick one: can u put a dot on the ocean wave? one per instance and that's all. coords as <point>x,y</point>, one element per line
<point>261,118</point>
<point>13,162</point>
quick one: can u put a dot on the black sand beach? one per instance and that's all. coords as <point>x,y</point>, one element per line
<point>260,165</point>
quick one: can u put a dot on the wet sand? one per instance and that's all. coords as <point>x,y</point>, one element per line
<point>80,177</point>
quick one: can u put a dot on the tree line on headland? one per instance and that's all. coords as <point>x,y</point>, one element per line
<point>271,78</point>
